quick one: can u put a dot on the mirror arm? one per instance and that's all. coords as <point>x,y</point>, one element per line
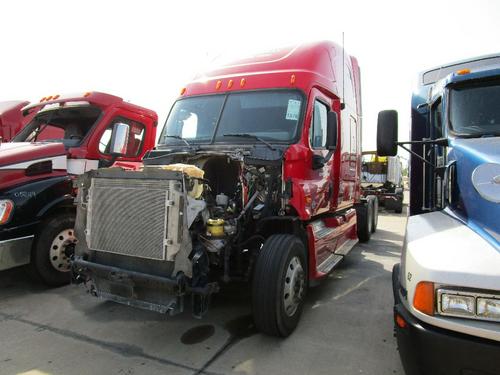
<point>319,161</point>
<point>438,141</point>
<point>329,155</point>
<point>400,144</point>
<point>107,163</point>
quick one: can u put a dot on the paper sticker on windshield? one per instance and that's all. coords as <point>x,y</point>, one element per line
<point>293,109</point>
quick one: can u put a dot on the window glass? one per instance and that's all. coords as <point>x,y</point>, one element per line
<point>193,119</point>
<point>437,119</point>
<point>317,134</point>
<point>46,133</point>
<point>269,115</point>
<point>475,110</point>
<point>67,125</point>
<point>135,137</point>
<point>273,116</point>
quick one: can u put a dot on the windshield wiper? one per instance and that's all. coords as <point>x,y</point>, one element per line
<point>179,137</point>
<point>247,135</point>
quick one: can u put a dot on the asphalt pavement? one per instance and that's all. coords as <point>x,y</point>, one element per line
<point>346,327</point>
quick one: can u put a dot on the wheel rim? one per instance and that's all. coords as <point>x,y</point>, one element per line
<point>61,249</point>
<point>293,290</point>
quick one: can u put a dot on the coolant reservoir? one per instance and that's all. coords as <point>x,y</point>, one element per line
<point>192,171</point>
<point>215,227</point>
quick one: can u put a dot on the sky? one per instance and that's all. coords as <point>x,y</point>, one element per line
<point>146,51</point>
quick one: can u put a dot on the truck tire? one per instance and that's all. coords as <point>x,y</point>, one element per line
<point>399,207</point>
<point>364,213</point>
<point>52,249</point>
<point>374,202</point>
<point>395,280</point>
<point>279,285</point>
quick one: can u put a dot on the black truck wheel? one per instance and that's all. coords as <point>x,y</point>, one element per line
<point>395,281</point>
<point>279,285</point>
<point>374,202</point>
<point>364,213</point>
<point>399,207</point>
<point>53,247</point>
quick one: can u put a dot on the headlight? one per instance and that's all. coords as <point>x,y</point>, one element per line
<point>6,208</point>
<point>488,308</point>
<point>455,304</point>
<point>468,304</point>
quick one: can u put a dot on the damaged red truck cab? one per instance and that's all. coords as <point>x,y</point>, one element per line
<point>256,176</point>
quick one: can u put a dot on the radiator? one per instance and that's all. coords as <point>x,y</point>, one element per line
<point>134,217</point>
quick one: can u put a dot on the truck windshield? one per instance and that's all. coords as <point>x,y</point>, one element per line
<point>66,125</point>
<point>251,117</point>
<point>475,110</point>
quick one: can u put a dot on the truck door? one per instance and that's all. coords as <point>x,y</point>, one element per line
<point>322,186</point>
<point>141,137</point>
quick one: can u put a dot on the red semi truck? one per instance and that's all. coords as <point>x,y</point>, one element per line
<point>11,119</point>
<point>256,178</point>
<point>67,136</point>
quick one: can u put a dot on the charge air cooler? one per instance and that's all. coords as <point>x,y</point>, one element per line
<point>135,217</point>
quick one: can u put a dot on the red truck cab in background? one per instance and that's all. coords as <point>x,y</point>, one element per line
<point>11,119</point>
<point>67,135</point>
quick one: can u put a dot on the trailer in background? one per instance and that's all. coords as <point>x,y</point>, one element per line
<point>382,177</point>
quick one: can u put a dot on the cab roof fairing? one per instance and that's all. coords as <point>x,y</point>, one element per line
<point>99,99</point>
<point>317,63</point>
<point>432,75</point>
<point>438,88</point>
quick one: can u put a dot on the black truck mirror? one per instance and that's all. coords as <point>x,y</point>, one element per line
<point>331,133</point>
<point>387,133</point>
<point>119,139</point>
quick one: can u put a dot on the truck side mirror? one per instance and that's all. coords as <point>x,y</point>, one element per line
<point>119,139</point>
<point>331,133</point>
<point>387,133</point>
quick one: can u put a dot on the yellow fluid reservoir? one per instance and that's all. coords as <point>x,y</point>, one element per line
<point>215,227</point>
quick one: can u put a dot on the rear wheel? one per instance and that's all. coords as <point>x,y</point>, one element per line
<point>364,213</point>
<point>279,285</point>
<point>399,206</point>
<point>53,247</point>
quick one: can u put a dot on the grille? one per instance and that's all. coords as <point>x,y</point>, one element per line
<point>128,217</point>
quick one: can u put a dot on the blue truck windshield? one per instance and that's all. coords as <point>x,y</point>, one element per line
<point>272,116</point>
<point>475,110</point>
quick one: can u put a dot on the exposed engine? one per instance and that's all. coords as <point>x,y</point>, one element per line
<point>235,196</point>
<point>193,221</point>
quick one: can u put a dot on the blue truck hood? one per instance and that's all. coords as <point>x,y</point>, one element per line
<point>478,178</point>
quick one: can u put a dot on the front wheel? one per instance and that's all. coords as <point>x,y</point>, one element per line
<point>279,285</point>
<point>53,247</point>
<point>364,213</point>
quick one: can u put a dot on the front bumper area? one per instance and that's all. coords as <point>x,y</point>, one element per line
<point>15,252</point>
<point>141,290</point>
<point>428,350</point>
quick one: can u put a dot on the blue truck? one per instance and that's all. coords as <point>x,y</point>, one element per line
<point>447,286</point>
